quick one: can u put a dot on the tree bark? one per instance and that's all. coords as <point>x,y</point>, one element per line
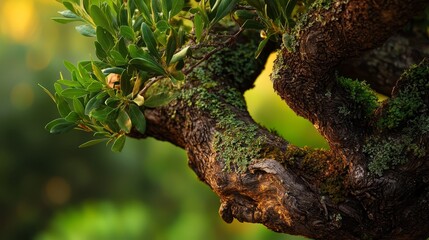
<point>321,194</point>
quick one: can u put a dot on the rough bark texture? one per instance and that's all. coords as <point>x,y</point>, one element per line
<point>372,184</point>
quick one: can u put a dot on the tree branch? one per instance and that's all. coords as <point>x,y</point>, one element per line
<point>261,178</point>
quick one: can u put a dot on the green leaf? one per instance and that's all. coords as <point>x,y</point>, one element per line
<point>127,32</point>
<point>149,40</point>
<point>47,92</point>
<point>72,117</point>
<point>162,26</point>
<point>117,58</point>
<point>65,20</point>
<point>198,26</point>
<point>261,47</point>
<point>137,118</point>
<point>98,73</point>
<point>93,142</point>
<point>171,47</point>
<point>144,10</point>
<point>119,143</point>
<point>116,70</point>
<point>94,87</point>
<point>93,103</point>
<point>135,52</point>
<point>104,114</point>
<point>60,125</point>
<point>69,83</point>
<point>62,105</point>
<point>124,121</point>
<point>99,51</point>
<point>86,30</point>
<point>73,93</point>
<point>68,14</point>
<point>159,100</point>
<point>78,107</point>
<point>180,55</point>
<point>105,39</point>
<point>222,9</point>
<point>147,63</point>
<point>176,7</point>
<point>100,18</point>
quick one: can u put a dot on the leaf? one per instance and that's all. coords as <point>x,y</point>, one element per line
<point>47,92</point>
<point>261,47</point>
<point>68,14</point>
<point>98,73</point>
<point>180,55</point>
<point>72,117</point>
<point>104,114</point>
<point>73,93</point>
<point>171,47</point>
<point>127,32</point>
<point>100,19</point>
<point>60,125</point>
<point>224,7</point>
<point>105,39</point>
<point>137,118</point>
<point>124,121</point>
<point>147,63</point>
<point>149,40</point>
<point>158,100</point>
<point>65,20</point>
<point>144,10</point>
<point>119,143</point>
<point>198,26</point>
<point>116,70</point>
<point>62,105</point>
<point>86,30</point>
<point>99,51</point>
<point>78,107</point>
<point>117,58</point>
<point>176,7</point>
<point>93,142</point>
<point>69,83</point>
<point>94,87</point>
<point>93,103</point>
<point>135,52</point>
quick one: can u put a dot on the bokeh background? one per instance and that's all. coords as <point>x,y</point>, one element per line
<point>50,189</point>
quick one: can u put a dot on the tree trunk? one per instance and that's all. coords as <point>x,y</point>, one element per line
<point>371,184</point>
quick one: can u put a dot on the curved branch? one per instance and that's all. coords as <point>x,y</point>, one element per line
<point>260,177</point>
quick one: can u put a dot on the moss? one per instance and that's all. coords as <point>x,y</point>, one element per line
<point>386,153</point>
<point>362,97</point>
<point>235,141</point>
<point>410,100</point>
<point>406,115</point>
<point>324,170</point>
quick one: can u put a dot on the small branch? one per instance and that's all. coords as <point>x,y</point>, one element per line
<point>214,51</point>
<point>149,84</point>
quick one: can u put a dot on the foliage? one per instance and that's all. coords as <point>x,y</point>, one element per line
<point>139,43</point>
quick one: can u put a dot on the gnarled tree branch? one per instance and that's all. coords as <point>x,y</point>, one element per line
<point>262,178</point>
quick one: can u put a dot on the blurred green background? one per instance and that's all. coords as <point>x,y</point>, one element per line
<point>50,189</point>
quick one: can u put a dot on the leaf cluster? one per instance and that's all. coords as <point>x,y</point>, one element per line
<point>139,43</point>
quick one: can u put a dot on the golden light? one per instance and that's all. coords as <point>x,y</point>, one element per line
<point>19,20</point>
